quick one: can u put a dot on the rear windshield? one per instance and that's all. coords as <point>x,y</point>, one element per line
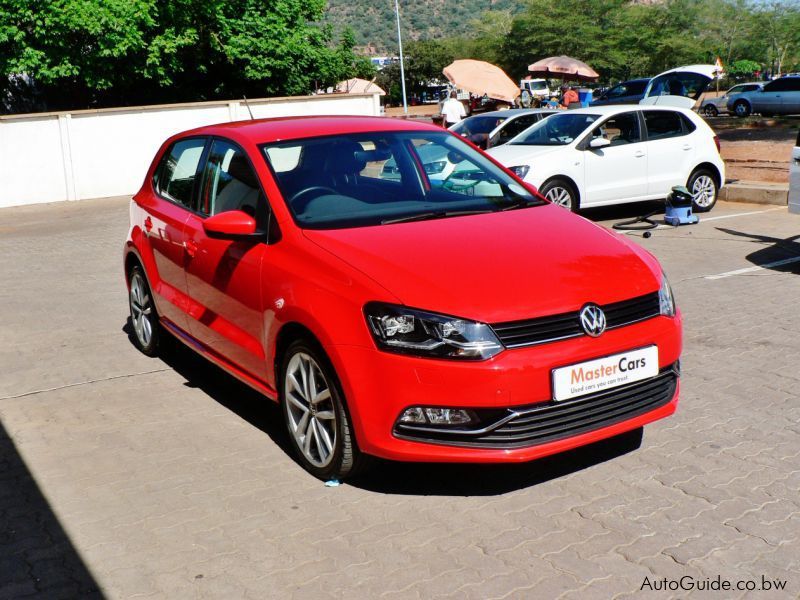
<point>556,130</point>
<point>374,178</point>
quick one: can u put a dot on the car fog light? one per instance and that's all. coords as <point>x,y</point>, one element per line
<point>436,416</point>
<point>413,415</point>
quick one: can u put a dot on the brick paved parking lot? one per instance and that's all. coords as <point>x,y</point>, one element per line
<point>128,477</point>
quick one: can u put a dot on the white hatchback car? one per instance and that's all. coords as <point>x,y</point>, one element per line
<point>615,154</point>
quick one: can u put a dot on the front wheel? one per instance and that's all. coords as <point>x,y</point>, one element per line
<point>710,110</point>
<point>319,427</point>
<point>561,192</point>
<point>703,187</point>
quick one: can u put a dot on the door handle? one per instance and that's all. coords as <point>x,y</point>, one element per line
<point>639,154</point>
<point>148,224</point>
<point>687,147</point>
<point>191,247</point>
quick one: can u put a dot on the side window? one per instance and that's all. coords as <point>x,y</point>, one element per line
<point>617,91</point>
<point>793,84</point>
<point>229,183</point>
<point>620,129</point>
<point>783,85</point>
<point>517,126</point>
<point>662,124</point>
<point>688,126</point>
<point>177,171</point>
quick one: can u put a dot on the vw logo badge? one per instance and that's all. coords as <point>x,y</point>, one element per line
<point>593,320</point>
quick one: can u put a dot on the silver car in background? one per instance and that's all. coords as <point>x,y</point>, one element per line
<point>712,107</point>
<point>779,97</point>
<point>794,178</point>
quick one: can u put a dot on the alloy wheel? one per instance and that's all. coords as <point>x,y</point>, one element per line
<point>559,195</point>
<point>141,310</point>
<point>310,408</point>
<point>703,191</point>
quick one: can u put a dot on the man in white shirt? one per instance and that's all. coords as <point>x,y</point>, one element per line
<point>452,110</point>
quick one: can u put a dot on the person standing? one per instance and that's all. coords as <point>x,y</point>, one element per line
<point>452,111</point>
<point>570,96</point>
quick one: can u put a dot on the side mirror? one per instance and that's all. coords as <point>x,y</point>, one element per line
<point>598,143</point>
<point>230,225</point>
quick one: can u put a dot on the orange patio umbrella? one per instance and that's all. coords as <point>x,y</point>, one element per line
<point>565,68</point>
<point>481,78</point>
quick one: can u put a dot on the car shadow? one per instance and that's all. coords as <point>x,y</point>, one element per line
<point>466,479</point>
<point>37,558</point>
<point>625,211</point>
<point>390,477</point>
<point>773,250</point>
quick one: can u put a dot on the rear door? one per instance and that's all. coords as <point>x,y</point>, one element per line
<point>794,179</point>
<point>616,173</point>
<point>167,211</point>
<point>670,148</point>
<point>790,99</point>
<point>224,276</point>
<point>771,97</point>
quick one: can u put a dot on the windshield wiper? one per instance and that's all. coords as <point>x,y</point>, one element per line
<point>436,215</point>
<point>522,204</point>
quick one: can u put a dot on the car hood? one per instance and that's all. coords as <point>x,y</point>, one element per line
<point>500,266</point>
<point>511,155</point>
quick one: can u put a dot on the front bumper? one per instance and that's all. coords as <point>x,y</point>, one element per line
<point>379,386</point>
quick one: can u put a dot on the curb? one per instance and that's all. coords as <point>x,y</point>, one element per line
<point>754,192</point>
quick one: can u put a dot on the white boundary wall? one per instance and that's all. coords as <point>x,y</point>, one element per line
<point>77,155</point>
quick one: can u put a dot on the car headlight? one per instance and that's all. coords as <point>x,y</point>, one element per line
<point>520,170</point>
<point>666,302</point>
<point>409,331</point>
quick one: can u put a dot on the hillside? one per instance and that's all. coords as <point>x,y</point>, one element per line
<point>373,21</point>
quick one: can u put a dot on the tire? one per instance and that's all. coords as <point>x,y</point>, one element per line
<point>741,108</point>
<point>710,110</point>
<point>144,318</point>
<point>561,192</point>
<point>704,188</point>
<point>315,416</point>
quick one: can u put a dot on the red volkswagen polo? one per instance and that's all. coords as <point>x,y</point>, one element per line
<point>398,292</point>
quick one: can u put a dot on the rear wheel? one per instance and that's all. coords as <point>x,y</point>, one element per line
<point>144,319</point>
<point>561,192</point>
<point>320,429</point>
<point>741,108</point>
<point>703,186</point>
<point>710,110</point>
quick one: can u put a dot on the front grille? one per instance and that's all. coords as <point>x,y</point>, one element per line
<point>541,330</point>
<point>549,421</point>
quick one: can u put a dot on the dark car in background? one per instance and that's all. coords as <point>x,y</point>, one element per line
<point>495,128</point>
<point>627,92</point>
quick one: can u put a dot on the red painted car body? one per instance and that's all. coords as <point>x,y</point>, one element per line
<point>234,300</point>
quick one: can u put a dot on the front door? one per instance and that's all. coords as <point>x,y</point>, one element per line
<point>224,276</point>
<point>616,173</point>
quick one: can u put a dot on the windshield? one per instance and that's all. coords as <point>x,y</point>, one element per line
<point>538,85</point>
<point>556,130</point>
<point>473,125</point>
<point>357,180</point>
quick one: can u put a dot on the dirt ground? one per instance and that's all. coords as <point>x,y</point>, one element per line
<point>754,149</point>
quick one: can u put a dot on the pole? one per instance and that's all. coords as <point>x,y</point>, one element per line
<point>402,67</point>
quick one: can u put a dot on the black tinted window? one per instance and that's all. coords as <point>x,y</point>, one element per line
<point>637,87</point>
<point>662,124</point>
<point>230,183</point>
<point>787,84</point>
<point>178,169</point>
<point>517,126</point>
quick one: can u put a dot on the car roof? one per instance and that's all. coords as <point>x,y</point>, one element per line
<point>513,112</point>
<point>611,109</point>
<point>260,131</point>
<point>640,80</point>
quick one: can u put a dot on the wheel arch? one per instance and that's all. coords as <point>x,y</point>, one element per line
<point>567,179</point>
<point>711,168</point>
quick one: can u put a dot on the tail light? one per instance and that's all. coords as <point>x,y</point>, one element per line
<point>716,142</point>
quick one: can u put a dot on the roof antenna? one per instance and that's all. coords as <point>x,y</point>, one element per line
<point>247,104</point>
